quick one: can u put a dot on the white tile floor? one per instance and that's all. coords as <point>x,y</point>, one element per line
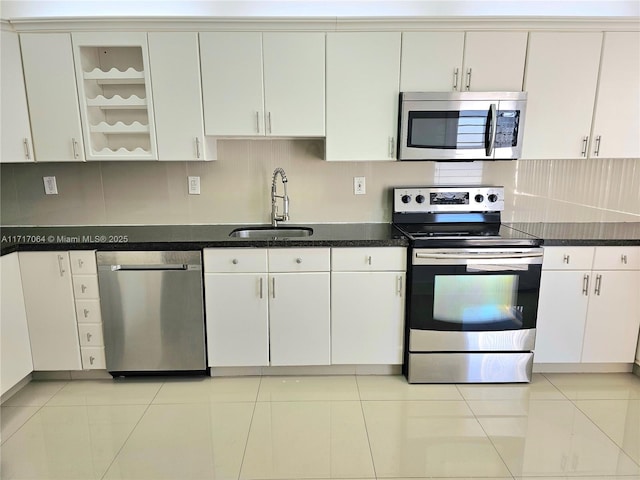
<point>340,427</point>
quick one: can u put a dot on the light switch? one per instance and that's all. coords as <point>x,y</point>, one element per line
<point>50,186</point>
<point>194,185</point>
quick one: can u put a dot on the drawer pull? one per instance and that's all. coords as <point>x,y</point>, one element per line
<point>399,285</point>
<point>623,259</point>
<point>234,261</point>
<point>369,259</point>
<point>566,259</point>
<point>273,287</point>
<point>80,263</point>
<point>598,284</point>
<point>91,359</point>
<point>585,285</point>
<point>88,337</point>
<point>83,287</point>
<point>298,260</point>
<point>86,313</point>
<point>261,288</point>
<point>60,265</point>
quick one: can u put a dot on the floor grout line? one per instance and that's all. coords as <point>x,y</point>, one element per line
<point>366,428</point>
<point>253,412</point>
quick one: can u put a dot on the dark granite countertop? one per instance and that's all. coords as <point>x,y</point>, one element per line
<point>583,234</point>
<point>189,237</point>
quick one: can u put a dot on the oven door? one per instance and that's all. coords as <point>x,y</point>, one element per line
<point>474,299</point>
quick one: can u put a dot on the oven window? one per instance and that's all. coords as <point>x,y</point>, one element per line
<point>482,299</point>
<point>447,129</point>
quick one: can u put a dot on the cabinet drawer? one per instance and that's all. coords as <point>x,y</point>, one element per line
<point>567,258</point>
<point>365,259</point>
<point>93,358</point>
<point>617,258</point>
<point>85,286</point>
<point>83,262</point>
<point>299,260</point>
<point>88,311</point>
<point>235,260</point>
<point>90,334</point>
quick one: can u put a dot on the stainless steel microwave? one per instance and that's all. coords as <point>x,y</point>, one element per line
<point>450,126</point>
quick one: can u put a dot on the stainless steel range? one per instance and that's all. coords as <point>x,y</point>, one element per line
<point>472,287</point>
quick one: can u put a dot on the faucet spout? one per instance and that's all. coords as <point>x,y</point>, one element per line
<point>275,218</point>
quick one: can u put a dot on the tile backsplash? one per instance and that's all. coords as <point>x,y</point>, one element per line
<point>236,188</point>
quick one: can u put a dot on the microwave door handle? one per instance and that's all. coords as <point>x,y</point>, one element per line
<point>490,137</point>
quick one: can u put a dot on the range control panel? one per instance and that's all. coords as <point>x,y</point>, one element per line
<point>448,199</point>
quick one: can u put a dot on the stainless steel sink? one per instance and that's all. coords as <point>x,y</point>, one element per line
<point>271,232</point>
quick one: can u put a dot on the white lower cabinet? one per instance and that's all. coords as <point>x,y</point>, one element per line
<point>15,348</point>
<point>367,305</point>
<point>589,309</point>
<point>50,307</point>
<point>267,307</point>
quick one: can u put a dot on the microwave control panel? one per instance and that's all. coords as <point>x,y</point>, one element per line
<point>448,199</point>
<point>507,128</point>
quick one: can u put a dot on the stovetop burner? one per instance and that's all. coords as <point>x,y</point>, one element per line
<point>455,217</point>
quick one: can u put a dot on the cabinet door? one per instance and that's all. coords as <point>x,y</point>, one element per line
<point>237,319</point>
<point>367,317</point>
<point>363,71</point>
<point>299,319</point>
<point>562,312</point>
<point>53,99</point>
<point>494,61</point>
<point>177,96</point>
<point>48,294</point>
<point>613,319</point>
<point>431,61</point>
<point>15,348</point>
<point>15,138</point>
<point>617,116</point>
<point>561,77</point>
<point>294,84</point>
<point>231,65</point>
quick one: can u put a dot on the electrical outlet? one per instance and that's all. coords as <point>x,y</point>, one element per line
<point>194,185</point>
<point>359,186</point>
<point>50,186</point>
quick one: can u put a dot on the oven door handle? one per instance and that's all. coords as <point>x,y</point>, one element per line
<point>478,256</point>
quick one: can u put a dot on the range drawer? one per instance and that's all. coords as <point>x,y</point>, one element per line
<point>90,334</point>
<point>235,260</point>
<point>93,358</point>
<point>368,259</point>
<point>85,286</point>
<point>299,260</point>
<point>83,262</point>
<point>88,311</point>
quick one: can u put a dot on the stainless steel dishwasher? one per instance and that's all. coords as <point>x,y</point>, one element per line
<point>152,312</point>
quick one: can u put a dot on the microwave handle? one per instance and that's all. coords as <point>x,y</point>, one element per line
<point>490,138</point>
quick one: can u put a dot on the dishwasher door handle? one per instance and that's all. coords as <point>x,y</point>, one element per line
<point>124,268</point>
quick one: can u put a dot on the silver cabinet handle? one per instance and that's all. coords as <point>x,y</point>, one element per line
<point>86,313</point>
<point>468,86</point>
<point>369,259</point>
<point>61,265</point>
<point>566,259</point>
<point>27,150</point>
<point>391,145</point>
<point>83,287</point>
<point>74,146</point>
<point>623,259</point>
<point>273,287</point>
<point>455,79</point>
<point>596,151</point>
<point>598,284</point>
<point>258,121</point>
<point>585,140</point>
<point>298,260</point>
<point>261,289</point>
<point>585,285</point>
<point>197,148</point>
<point>234,261</point>
<point>269,120</point>
<point>399,285</point>
<point>91,360</point>
<point>88,337</point>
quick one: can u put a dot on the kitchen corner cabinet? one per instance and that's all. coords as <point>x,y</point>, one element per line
<point>177,96</point>
<point>367,305</point>
<point>561,79</point>
<point>589,309</point>
<point>51,316</point>
<point>263,84</point>
<point>15,137</point>
<point>47,59</point>
<point>114,88</point>
<point>363,85</point>
<point>459,61</point>
<point>616,121</point>
<point>15,347</point>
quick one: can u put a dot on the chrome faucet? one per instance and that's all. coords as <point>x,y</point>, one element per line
<point>275,218</point>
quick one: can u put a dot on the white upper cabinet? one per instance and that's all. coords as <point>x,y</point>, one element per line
<point>177,96</point>
<point>47,59</point>
<point>114,87</point>
<point>431,61</point>
<point>617,114</point>
<point>363,81</point>
<point>494,61</point>
<point>455,61</point>
<point>15,138</point>
<point>263,84</point>
<point>561,77</point>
